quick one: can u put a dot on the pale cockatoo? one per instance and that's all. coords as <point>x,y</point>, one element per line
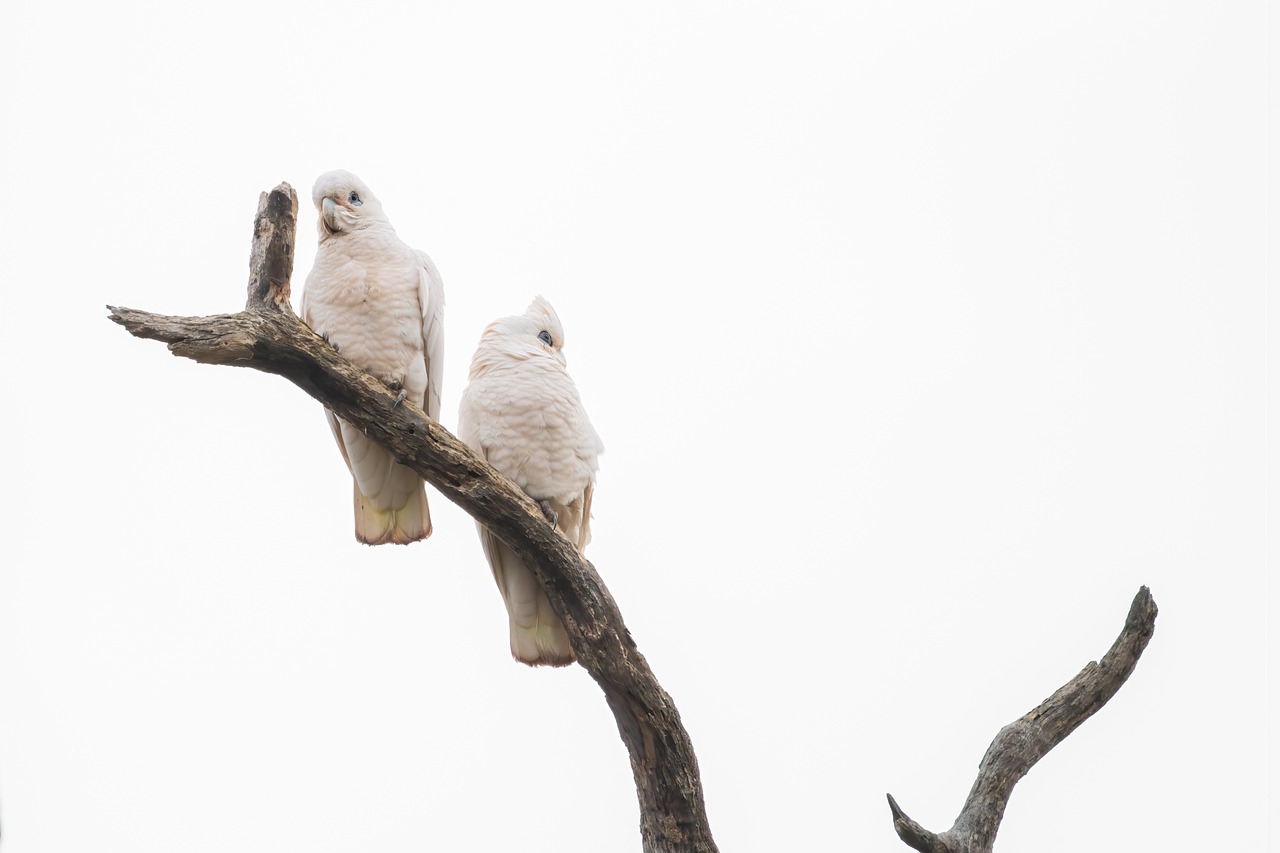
<point>522,413</point>
<point>380,303</point>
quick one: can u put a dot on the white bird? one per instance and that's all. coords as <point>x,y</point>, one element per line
<point>380,303</point>
<point>522,413</point>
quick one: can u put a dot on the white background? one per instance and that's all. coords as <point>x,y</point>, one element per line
<point>920,335</point>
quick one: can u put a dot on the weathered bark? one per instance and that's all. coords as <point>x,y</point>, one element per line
<point>271,258</point>
<point>268,336</point>
<point>1025,741</point>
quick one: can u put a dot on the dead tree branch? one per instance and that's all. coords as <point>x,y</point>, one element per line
<point>1025,741</point>
<point>267,336</point>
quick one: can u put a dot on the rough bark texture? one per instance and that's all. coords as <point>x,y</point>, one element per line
<point>271,258</point>
<point>1025,741</point>
<point>268,336</point>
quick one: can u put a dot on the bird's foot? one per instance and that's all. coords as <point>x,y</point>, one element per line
<point>549,512</point>
<point>401,394</point>
<point>325,335</point>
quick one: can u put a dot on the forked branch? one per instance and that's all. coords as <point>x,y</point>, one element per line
<point>1025,741</point>
<point>268,336</point>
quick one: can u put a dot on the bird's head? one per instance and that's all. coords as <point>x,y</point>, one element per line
<point>549,333</point>
<point>345,203</point>
<point>535,334</point>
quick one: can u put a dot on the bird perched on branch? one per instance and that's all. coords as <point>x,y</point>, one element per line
<point>380,303</point>
<point>521,412</point>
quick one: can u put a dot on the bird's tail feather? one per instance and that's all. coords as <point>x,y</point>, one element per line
<point>409,523</point>
<point>538,637</point>
<point>390,499</point>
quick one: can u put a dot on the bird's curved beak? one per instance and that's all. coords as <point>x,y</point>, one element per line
<point>329,215</point>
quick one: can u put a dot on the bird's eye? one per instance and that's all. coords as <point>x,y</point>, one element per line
<point>354,198</point>
<point>545,337</point>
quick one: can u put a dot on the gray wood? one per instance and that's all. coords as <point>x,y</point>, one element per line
<point>1022,743</point>
<point>267,336</point>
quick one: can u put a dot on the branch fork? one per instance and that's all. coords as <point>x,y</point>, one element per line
<point>1019,745</point>
<point>268,336</point>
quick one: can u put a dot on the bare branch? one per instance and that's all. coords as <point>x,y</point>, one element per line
<point>271,260</point>
<point>1022,743</point>
<point>267,336</point>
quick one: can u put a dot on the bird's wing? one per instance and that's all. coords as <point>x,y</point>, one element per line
<point>584,526</point>
<point>431,298</point>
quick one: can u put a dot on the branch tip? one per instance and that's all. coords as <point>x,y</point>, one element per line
<point>1144,605</point>
<point>893,806</point>
<point>913,834</point>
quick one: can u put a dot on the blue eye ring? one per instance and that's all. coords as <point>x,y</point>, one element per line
<point>354,198</point>
<point>545,337</point>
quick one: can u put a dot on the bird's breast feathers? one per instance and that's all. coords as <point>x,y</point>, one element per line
<point>534,430</point>
<point>369,306</point>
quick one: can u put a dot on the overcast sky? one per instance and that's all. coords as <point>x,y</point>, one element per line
<point>919,335</point>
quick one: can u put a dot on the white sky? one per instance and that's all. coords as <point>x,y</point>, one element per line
<point>919,336</point>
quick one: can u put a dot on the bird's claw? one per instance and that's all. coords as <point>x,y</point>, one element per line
<point>549,512</point>
<point>325,335</point>
<point>394,385</point>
